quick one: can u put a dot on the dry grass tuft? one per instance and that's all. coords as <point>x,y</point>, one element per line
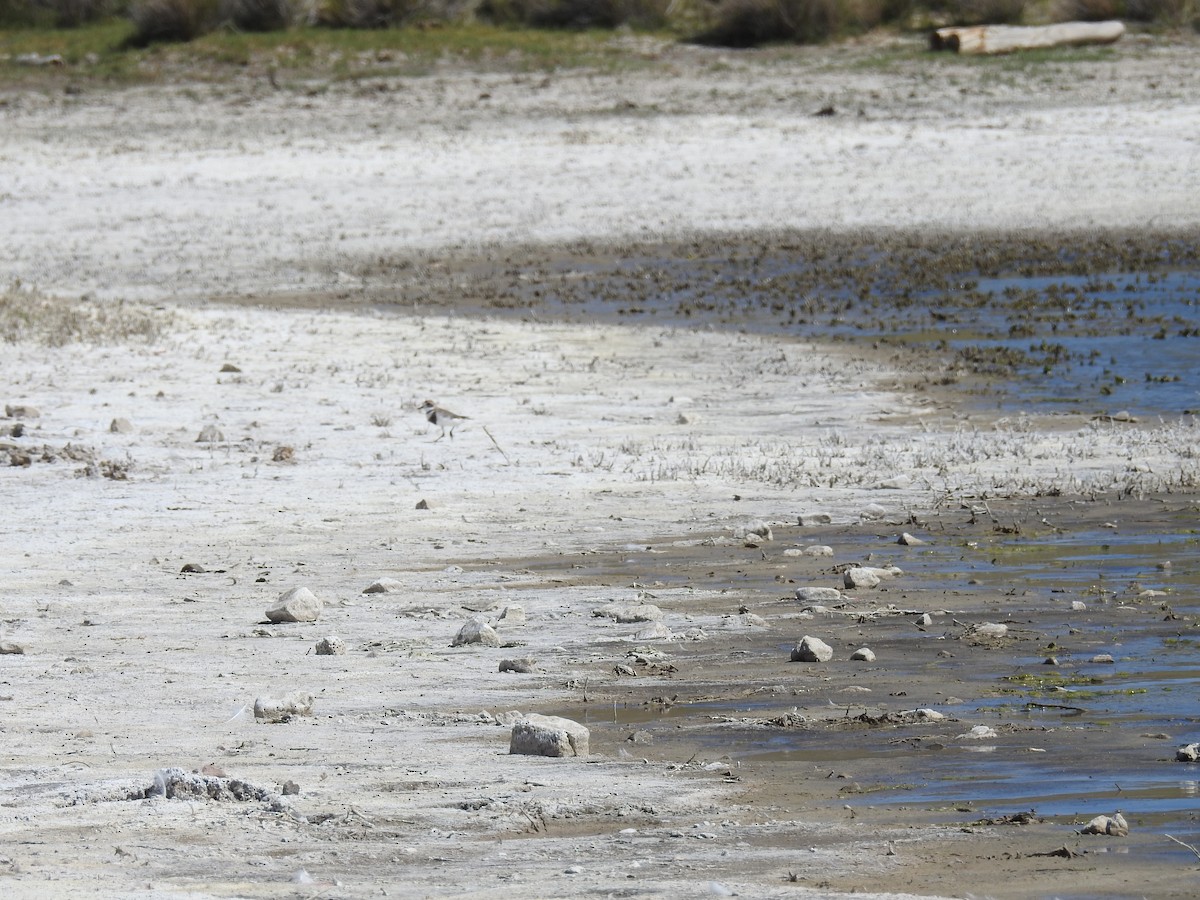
<point>27,316</point>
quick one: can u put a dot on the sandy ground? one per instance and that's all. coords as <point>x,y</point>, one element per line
<point>585,440</point>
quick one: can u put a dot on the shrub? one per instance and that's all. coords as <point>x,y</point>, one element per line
<point>575,13</point>
<point>259,15</point>
<point>63,13</point>
<point>987,12</point>
<point>157,21</point>
<point>748,23</point>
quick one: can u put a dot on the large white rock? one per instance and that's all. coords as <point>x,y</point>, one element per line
<point>476,630</point>
<point>863,654</point>
<point>818,595</point>
<point>811,649</point>
<point>548,736</point>
<point>297,605</point>
<point>860,578</point>
<point>1188,753</point>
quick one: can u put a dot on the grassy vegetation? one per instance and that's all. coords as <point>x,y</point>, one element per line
<point>28,316</point>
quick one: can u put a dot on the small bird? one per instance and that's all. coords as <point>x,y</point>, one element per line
<point>442,418</point>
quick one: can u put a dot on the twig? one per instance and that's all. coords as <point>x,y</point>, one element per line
<point>1182,844</point>
<point>497,446</point>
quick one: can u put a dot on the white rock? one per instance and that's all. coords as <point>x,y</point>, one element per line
<point>22,411</point>
<point>625,613</point>
<point>548,736</point>
<point>476,630</point>
<point>925,620</point>
<point>1104,659</point>
<point>930,715</point>
<point>815,519</point>
<point>655,632</point>
<point>860,578</point>
<point>863,654</point>
<point>979,733</point>
<point>818,595</point>
<point>895,483</point>
<point>331,646</point>
<point>270,709</point>
<point>818,550</point>
<point>1114,825</point>
<point>991,629</point>
<point>757,528</point>
<point>872,511</point>
<point>383,586</point>
<point>909,541</point>
<point>1078,605</point>
<point>1188,753</point>
<point>210,434</point>
<point>297,605</point>
<point>752,620</point>
<point>811,649</point>
<point>120,425</point>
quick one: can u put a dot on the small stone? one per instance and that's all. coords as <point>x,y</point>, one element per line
<point>815,519</point>
<point>1050,661</point>
<point>979,733</point>
<point>755,529</point>
<point>752,620</point>
<point>929,715</point>
<point>860,578</point>
<point>863,654</point>
<point>655,632</point>
<point>513,615</point>
<point>627,613</point>
<point>476,630</point>
<point>120,426</point>
<point>872,511</point>
<point>271,710</point>
<point>991,630</point>
<point>296,605</point>
<point>9,648</point>
<point>383,586</point>
<point>811,649</point>
<point>818,550</point>
<point>1104,659</point>
<point>1078,606</point>
<point>230,367</point>
<point>422,504</point>
<point>1114,825</point>
<point>524,666</point>
<point>548,736</point>
<point>22,411</point>
<point>895,483</point>
<point>818,595</point>
<point>925,620</point>
<point>1188,753</point>
<point>331,646</point>
<point>908,540</point>
<point>210,434</point>
<point>192,569</point>
<point>283,453</point>
<point>291,789</point>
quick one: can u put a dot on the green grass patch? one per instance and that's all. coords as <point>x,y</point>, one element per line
<point>99,52</point>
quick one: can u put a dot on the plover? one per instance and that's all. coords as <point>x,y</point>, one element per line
<point>442,418</point>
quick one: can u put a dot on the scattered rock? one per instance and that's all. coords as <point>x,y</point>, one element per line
<point>283,453</point>
<point>1104,659</point>
<point>192,569</point>
<point>513,615</point>
<point>9,648</point>
<point>476,630</point>
<point>815,519</point>
<point>990,630</point>
<point>548,736</point>
<point>626,613</point>
<point>297,605</point>
<point>1188,753</point>
<point>22,411</point>
<point>524,666</point>
<point>752,620</point>
<point>928,715</point>
<point>176,784</point>
<point>1114,825</point>
<point>1078,606</point>
<point>925,620</point>
<point>422,504</point>
<point>811,649</point>
<point>908,540</point>
<point>230,367</point>
<point>656,632</point>
<point>383,586</point>
<point>895,483</point>
<point>210,434</point>
<point>120,426</point>
<point>863,654</point>
<point>818,595</point>
<point>818,550</point>
<point>754,529</point>
<point>291,789</point>
<point>285,708</point>
<point>872,511</point>
<point>979,733</point>
<point>331,646</point>
<point>860,578</point>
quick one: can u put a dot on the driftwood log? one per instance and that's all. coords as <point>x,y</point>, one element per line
<point>980,39</point>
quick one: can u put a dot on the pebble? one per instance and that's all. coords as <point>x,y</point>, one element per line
<point>331,646</point>
<point>476,630</point>
<point>811,649</point>
<point>383,586</point>
<point>980,732</point>
<point>524,666</point>
<point>296,605</point>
